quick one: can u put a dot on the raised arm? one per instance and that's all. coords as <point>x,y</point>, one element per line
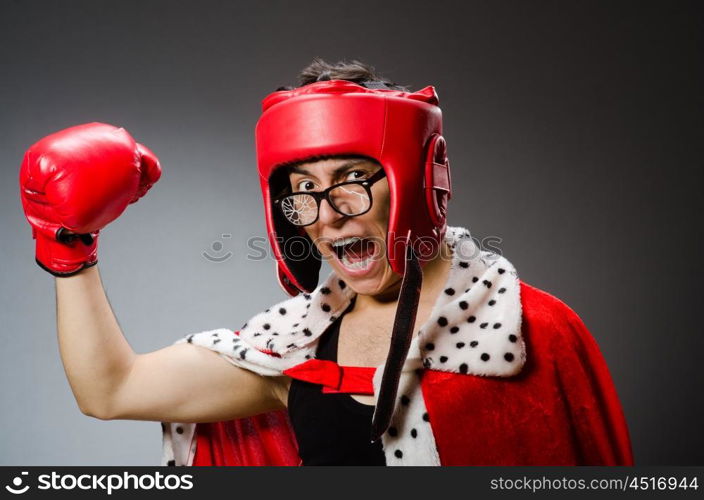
<point>72,184</point>
<point>180,383</point>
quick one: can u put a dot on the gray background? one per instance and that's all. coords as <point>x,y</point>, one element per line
<point>574,131</point>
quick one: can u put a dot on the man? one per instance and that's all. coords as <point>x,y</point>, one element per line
<point>419,349</point>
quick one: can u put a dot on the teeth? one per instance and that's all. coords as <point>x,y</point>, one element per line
<point>345,241</point>
<point>355,265</point>
<point>339,245</point>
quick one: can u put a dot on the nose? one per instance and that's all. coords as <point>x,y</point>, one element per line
<point>327,214</point>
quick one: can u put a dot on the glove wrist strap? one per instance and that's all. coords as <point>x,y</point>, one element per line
<point>64,255</point>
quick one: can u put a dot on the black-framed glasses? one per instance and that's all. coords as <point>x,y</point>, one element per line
<point>347,198</point>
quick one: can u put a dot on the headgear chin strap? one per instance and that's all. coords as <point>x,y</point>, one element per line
<point>401,338</point>
<point>400,130</point>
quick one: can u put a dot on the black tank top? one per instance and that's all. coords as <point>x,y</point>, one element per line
<point>331,429</point>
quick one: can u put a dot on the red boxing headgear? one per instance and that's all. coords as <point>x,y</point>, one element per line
<point>400,130</point>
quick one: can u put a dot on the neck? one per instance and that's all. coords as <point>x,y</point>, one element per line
<point>435,273</point>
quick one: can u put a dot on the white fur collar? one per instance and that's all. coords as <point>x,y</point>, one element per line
<point>474,327</point>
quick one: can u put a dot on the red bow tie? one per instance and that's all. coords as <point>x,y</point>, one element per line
<point>333,377</point>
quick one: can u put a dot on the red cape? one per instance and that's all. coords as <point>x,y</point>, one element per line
<point>562,409</point>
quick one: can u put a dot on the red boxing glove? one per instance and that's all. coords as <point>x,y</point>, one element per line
<point>79,180</point>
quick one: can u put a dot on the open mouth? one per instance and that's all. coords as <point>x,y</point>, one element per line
<point>355,253</point>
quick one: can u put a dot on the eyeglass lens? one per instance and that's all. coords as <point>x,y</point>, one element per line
<point>349,199</point>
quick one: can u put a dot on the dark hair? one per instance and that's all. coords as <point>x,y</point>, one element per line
<point>318,71</point>
<point>352,71</point>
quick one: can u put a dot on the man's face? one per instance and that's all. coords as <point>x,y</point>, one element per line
<point>355,246</point>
